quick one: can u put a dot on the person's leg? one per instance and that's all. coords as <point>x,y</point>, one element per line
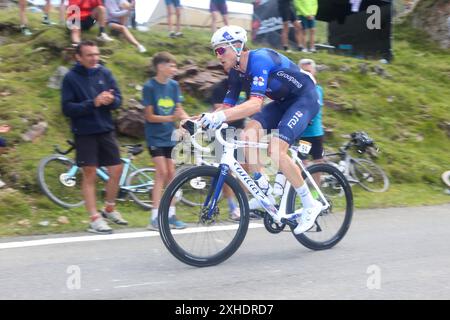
<point>225,19</point>
<point>88,190</point>
<point>169,18</point>
<point>75,35</point>
<point>124,30</point>
<point>252,133</point>
<point>160,178</point>
<point>224,12</point>
<point>22,15</point>
<point>293,123</point>
<point>214,15</point>
<point>299,37</point>
<point>317,155</point>
<point>170,166</point>
<point>284,35</point>
<point>99,14</point>
<point>112,186</point>
<point>47,8</point>
<point>312,44</point>
<point>178,15</point>
<point>62,12</point>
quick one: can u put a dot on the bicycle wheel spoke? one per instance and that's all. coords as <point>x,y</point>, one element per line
<point>207,239</point>
<point>333,222</point>
<point>59,183</point>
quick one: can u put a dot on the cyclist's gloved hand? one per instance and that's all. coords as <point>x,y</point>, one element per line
<point>212,120</point>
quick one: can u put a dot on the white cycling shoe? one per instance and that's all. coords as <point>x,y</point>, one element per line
<point>307,217</point>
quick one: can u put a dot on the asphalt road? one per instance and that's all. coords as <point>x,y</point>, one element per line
<point>396,253</point>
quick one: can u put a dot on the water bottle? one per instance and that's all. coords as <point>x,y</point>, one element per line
<point>278,186</point>
<point>341,165</point>
<point>262,182</point>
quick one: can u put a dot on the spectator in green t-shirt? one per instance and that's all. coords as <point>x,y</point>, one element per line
<point>306,12</point>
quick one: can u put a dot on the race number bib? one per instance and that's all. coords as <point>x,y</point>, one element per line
<point>304,146</point>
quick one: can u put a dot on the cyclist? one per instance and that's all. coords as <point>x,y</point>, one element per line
<point>295,103</point>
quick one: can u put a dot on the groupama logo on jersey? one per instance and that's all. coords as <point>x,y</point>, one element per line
<point>258,81</point>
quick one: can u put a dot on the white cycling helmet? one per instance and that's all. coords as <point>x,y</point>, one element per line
<point>229,35</point>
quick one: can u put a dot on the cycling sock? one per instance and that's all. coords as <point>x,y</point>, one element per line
<point>109,206</point>
<point>171,212</point>
<point>95,217</point>
<point>231,204</point>
<point>101,30</point>
<point>305,195</point>
<point>154,213</point>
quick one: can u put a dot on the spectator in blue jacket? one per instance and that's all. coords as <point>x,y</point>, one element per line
<point>89,93</point>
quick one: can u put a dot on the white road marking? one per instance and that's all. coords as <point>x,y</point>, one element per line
<point>138,284</point>
<point>129,235</point>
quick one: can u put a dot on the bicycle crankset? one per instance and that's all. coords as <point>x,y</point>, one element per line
<point>271,225</point>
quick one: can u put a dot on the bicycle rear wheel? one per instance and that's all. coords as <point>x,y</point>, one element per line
<point>208,240</point>
<point>56,183</point>
<point>370,176</point>
<point>140,184</point>
<point>332,224</point>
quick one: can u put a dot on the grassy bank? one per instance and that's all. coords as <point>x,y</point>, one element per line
<point>402,108</point>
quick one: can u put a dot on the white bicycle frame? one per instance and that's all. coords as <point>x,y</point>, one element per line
<point>228,160</point>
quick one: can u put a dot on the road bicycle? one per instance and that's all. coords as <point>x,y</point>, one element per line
<point>60,178</point>
<point>361,171</point>
<point>211,238</point>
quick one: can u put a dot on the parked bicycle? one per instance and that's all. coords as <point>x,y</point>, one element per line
<point>358,170</point>
<point>60,178</point>
<point>211,238</point>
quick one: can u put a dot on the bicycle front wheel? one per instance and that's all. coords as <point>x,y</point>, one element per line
<point>59,183</point>
<point>140,185</point>
<point>211,236</point>
<point>332,224</point>
<point>370,176</point>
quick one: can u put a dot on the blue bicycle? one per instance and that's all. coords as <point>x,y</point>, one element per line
<point>60,178</point>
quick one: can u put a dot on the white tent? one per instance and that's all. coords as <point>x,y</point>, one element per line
<point>194,13</point>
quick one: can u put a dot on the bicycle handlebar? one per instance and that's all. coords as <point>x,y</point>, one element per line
<point>69,142</point>
<point>190,126</point>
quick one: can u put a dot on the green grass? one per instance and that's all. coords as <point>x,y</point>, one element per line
<point>401,112</point>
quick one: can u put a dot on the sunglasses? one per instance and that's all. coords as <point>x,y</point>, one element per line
<point>220,50</point>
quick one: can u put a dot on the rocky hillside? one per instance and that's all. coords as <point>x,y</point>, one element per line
<point>433,17</point>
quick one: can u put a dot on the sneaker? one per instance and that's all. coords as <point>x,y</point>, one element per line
<point>176,224</point>
<point>255,215</point>
<point>305,50</point>
<point>313,50</point>
<point>179,34</point>
<point>172,34</point>
<point>48,22</point>
<point>154,225</point>
<point>307,217</point>
<point>235,215</point>
<point>115,217</point>
<point>2,184</point>
<point>99,226</point>
<point>141,48</point>
<point>26,32</point>
<point>104,37</point>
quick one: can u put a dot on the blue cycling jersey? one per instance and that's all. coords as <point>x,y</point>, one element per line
<point>270,74</point>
